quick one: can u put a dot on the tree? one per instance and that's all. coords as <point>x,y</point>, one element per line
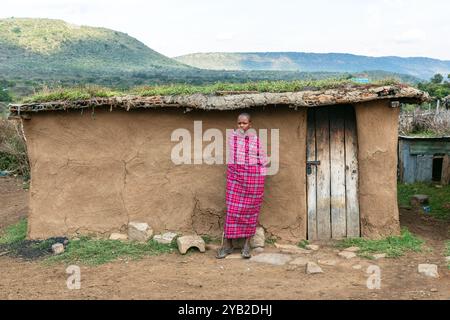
<point>4,95</point>
<point>437,78</point>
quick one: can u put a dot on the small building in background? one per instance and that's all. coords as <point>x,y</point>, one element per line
<point>424,159</point>
<point>361,78</point>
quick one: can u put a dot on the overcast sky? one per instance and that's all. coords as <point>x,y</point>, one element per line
<point>174,27</point>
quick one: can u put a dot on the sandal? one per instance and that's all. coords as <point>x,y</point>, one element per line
<point>246,253</point>
<point>223,252</point>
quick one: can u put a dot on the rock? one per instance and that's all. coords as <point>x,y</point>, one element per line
<point>357,267</point>
<point>434,290</point>
<point>347,254</point>
<point>327,262</point>
<point>258,250</point>
<point>419,199</point>
<point>139,231</point>
<point>312,247</point>
<point>259,239</point>
<point>58,248</point>
<point>288,248</point>
<point>118,236</point>
<point>278,259</point>
<point>299,261</point>
<point>429,270</point>
<point>379,256</point>
<point>352,249</point>
<point>312,268</point>
<point>447,259</point>
<point>186,242</point>
<point>234,256</point>
<point>165,238</point>
<point>194,283</point>
<point>292,268</point>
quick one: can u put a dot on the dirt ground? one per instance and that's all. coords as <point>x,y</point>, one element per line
<point>201,276</point>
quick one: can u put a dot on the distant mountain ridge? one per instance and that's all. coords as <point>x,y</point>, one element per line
<point>48,45</point>
<point>420,67</point>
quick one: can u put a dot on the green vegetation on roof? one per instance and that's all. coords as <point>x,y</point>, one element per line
<point>87,92</point>
<point>72,94</point>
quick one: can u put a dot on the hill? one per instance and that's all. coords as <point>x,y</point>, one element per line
<point>420,67</point>
<point>45,45</point>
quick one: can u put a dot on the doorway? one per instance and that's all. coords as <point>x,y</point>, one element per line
<point>332,173</point>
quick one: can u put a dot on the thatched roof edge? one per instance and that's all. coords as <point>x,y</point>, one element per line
<point>401,93</point>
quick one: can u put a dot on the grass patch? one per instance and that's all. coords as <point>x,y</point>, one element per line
<point>394,246</point>
<point>271,240</point>
<point>439,198</point>
<point>303,244</point>
<point>98,251</point>
<point>87,92</point>
<point>85,250</point>
<point>14,233</point>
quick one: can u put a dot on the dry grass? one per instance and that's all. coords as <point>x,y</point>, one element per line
<point>13,154</point>
<point>425,123</point>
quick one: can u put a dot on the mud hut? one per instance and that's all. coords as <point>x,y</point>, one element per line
<point>97,164</point>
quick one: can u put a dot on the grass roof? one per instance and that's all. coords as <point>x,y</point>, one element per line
<point>89,92</point>
<point>221,96</point>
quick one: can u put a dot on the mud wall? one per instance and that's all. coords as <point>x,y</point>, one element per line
<point>377,126</point>
<point>93,173</point>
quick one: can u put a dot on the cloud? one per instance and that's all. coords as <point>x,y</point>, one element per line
<point>224,36</point>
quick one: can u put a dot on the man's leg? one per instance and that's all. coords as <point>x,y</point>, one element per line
<point>246,250</point>
<point>226,249</point>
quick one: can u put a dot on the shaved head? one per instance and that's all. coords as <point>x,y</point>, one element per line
<point>245,114</point>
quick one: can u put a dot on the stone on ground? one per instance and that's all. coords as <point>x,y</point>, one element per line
<point>429,270</point>
<point>347,254</point>
<point>289,248</point>
<point>379,256</point>
<point>327,262</point>
<point>58,248</point>
<point>447,259</point>
<point>118,236</point>
<point>139,231</point>
<point>312,268</point>
<point>313,247</point>
<point>352,249</point>
<point>278,259</point>
<point>165,238</point>
<point>259,239</point>
<point>300,261</point>
<point>234,256</point>
<point>186,242</point>
<point>357,267</point>
<point>419,199</point>
<point>258,250</point>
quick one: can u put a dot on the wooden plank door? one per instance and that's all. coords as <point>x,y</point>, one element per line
<point>332,173</point>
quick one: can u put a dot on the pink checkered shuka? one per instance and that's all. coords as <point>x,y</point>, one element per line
<point>246,171</point>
